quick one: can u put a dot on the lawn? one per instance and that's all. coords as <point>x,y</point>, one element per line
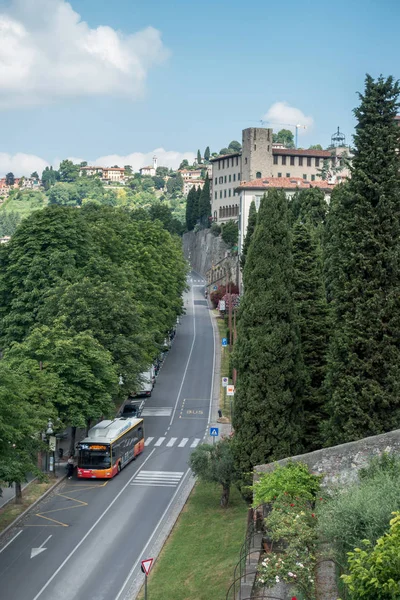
<point>25,204</point>
<point>200,555</point>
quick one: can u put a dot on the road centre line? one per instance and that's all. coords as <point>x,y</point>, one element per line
<point>10,542</point>
<point>188,360</point>
<point>78,545</point>
<point>151,537</point>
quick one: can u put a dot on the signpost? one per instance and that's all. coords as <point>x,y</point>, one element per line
<point>225,382</point>
<point>146,566</point>
<point>214,433</point>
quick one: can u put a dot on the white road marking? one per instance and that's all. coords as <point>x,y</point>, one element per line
<point>148,440</point>
<point>159,441</point>
<point>155,530</point>
<point>11,541</point>
<point>40,549</point>
<point>183,443</point>
<point>194,443</point>
<point>158,478</point>
<point>157,412</point>
<point>171,442</point>
<point>79,544</point>
<point>187,362</point>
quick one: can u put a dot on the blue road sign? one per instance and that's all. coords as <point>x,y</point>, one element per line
<point>224,341</point>
<point>214,431</point>
<point>215,288</point>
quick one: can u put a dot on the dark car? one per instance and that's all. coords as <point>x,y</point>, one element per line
<point>131,408</point>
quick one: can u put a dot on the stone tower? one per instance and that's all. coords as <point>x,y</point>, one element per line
<point>257,158</point>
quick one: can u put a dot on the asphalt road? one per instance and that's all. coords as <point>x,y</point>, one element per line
<point>86,541</point>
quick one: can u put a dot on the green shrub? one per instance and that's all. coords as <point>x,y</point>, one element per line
<point>291,481</point>
<point>215,229</point>
<point>360,511</point>
<point>375,572</point>
<point>387,463</point>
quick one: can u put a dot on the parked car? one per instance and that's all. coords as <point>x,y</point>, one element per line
<point>131,408</point>
<point>147,381</point>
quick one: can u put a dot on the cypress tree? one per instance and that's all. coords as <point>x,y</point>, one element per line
<point>309,205</point>
<point>190,201</point>
<point>207,154</point>
<point>312,315</point>
<point>205,204</point>
<point>268,412</point>
<point>198,157</point>
<point>363,377</point>
<point>251,225</point>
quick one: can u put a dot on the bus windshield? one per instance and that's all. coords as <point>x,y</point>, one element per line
<point>94,459</point>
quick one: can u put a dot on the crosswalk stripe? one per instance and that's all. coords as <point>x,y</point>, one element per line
<point>159,441</point>
<point>194,443</point>
<point>158,478</point>
<point>183,442</point>
<point>148,440</point>
<point>157,411</point>
<point>171,442</point>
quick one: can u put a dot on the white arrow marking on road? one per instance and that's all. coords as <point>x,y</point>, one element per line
<point>36,551</point>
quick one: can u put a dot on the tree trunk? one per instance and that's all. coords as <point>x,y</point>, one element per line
<point>72,442</point>
<point>225,496</point>
<point>18,492</point>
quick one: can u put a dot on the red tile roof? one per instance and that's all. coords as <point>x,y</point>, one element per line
<point>286,183</point>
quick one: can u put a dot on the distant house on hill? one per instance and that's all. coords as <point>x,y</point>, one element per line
<point>150,170</point>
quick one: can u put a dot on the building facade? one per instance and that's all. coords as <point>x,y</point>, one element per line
<point>259,159</point>
<point>192,183</point>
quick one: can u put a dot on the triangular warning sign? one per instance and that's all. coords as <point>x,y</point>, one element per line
<point>146,565</point>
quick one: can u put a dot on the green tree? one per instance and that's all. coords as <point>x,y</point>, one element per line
<point>9,222</point>
<point>363,276</point>
<point>68,172</point>
<point>49,177</point>
<point>159,182</point>
<point>224,151</point>
<point>199,161</point>
<point>163,213</point>
<point>215,464</point>
<point>230,233</point>
<point>191,212</point>
<point>315,147</point>
<point>207,154</point>
<point>251,225</point>
<point>234,146</point>
<point>162,171</point>
<point>184,164</point>
<point>128,170</point>
<point>205,204</point>
<point>34,175</point>
<point>309,206</point>
<point>312,317</point>
<point>64,194</point>
<point>285,137</point>
<point>268,412</point>
<point>10,179</point>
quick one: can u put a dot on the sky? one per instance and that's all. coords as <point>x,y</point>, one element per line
<point>117,82</point>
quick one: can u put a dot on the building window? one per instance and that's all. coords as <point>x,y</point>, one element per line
<point>317,162</point>
<point>234,177</point>
<point>216,195</point>
<point>219,165</point>
<point>275,159</point>
<point>220,212</point>
<point>245,161</point>
<point>224,193</point>
<point>225,179</point>
<point>255,134</point>
<point>309,161</point>
<point>229,194</point>
<point>238,176</point>
<point>220,194</point>
<point>292,160</point>
<point>255,147</point>
<point>221,179</point>
<point>230,178</point>
<point>268,148</point>
<point>232,162</point>
<point>237,161</point>
<point>300,161</point>
<point>284,160</point>
<point>305,176</point>
<point>287,174</point>
<point>216,180</point>
<point>312,177</point>
<point>279,174</point>
<point>258,175</point>
<point>215,215</point>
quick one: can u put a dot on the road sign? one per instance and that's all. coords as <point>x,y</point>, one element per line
<point>222,305</point>
<point>215,288</point>
<point>224,341</point>
<point>230,390</point>
<point>225,381</point>
<point>214,431</point>
<point>52,443</point>
<point>146,565</point>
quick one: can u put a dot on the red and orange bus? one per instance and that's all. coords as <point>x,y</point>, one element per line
<point>109,447</point>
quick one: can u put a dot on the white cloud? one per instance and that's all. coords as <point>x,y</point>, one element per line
<point>21,164</point>
<point>25,164</point>
<point>47,52</point>
<point>281,114</point>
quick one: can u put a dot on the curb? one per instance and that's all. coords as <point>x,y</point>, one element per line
<point>23,514</point>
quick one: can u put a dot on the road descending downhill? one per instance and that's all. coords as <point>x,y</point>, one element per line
<point>86,541</point>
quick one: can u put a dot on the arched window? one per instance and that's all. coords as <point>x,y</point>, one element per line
<point>215,215</point>
<point>258,175</point>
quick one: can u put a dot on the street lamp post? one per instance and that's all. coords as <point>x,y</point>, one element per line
<point>51,440</point>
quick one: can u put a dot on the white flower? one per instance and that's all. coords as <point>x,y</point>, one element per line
<point>290,574</point>
<point>299,564</point>
<point>277,579</point>
<point>261,580</point>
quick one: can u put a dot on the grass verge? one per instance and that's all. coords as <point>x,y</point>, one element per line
<point>200,555</point>
<point>224,401</point>
<point>32,492</point>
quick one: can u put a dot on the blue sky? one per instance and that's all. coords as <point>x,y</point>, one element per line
<point>213,69</point>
